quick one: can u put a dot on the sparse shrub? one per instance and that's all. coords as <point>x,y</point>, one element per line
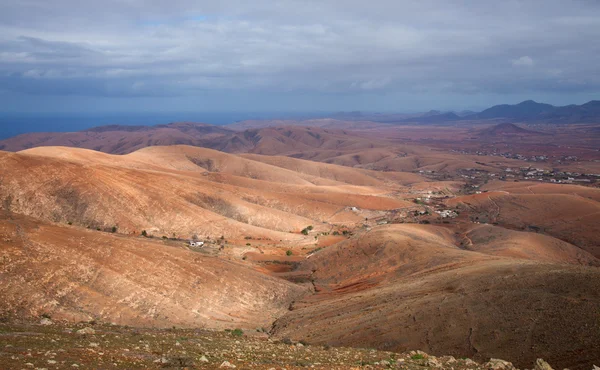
<point>247,237</point>
<point>244,258</point>
<point>418,356</point>
<point>304,232</point>
<point>165,237</point>
<point>288,252</point>
<point>287,341</point>
<point>248,244</point>
<point>237,332</point>
<point>114,229</point>
<point>336,233</point>
<point>97,229</point>
<point>144,233</point>
<point>309,227</point>
<point>69,223</point>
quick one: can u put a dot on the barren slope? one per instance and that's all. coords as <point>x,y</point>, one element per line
<point>406,286</point>
<point>571,218</point>
<point>77,274</point>
<point>186,190</point>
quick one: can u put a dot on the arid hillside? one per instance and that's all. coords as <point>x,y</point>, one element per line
<point>569,213</point>
<point>185,191</point>
<point>289,230</point>
<point>411,286</point>
<point>74,274</point>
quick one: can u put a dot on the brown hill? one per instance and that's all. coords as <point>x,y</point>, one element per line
<point>507,128</point>
<point>186,190</point>
<point>410,286</point>
<point>568,217</point>
<point>117,139</point>
<point>79,275</point>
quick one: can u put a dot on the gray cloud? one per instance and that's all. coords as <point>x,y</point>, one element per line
<point>185,47</point>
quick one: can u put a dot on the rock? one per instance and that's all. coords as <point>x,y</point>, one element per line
<point>87,330</point>
<point>45,321</point>
<point>596,368</point>
<point>542,365</point>
<point>300,345</point>
<point>74,365</point>
<point>203,359</point>
<point>497,364</point>
<point>93,344</point>
<point>51,362</point>
<point>29,364</point>
<point>227,364</point>
<point>448,359</point>
<point>433,362</point>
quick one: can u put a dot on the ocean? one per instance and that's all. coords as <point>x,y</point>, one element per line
<point>12,124</point>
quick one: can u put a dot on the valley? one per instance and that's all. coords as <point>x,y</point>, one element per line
<point>395,238</point>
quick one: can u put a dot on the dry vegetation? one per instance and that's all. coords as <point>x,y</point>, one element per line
<point>396,238</point>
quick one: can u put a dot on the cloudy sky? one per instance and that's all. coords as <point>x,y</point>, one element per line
<point>270,55</point>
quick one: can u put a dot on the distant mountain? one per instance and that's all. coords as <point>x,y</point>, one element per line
<point>525,110</point>
<point>118,139</point>
<point>588,112</point>
<point>432,113</point>
<point>434,118</point>
<point>507,129</point>
<point>464,113</point>
<point>531,111</point>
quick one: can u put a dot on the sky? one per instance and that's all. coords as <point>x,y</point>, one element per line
<point>312,55</point>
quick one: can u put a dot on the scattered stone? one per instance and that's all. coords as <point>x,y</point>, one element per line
<point>51,362</point>
<point>74,365</point>
<point>227,364</point>
<point>496,364</point>
<point>29,364</point>
<point>87,330</point>
<point>203,359</point>
<point>542,365</point>
<point>433,362</point>
<point>46,321</point>
<point>93,344</point>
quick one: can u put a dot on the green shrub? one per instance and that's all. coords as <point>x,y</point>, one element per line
<point>144,233</point>
<point>237,332</point>
<point>114,229</point>
<point>288,252</point>
<point>418,356</point>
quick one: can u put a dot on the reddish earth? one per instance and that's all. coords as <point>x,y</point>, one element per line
<point>514,275</point>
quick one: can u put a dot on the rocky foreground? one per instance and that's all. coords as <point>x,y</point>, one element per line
<point>50,345</point>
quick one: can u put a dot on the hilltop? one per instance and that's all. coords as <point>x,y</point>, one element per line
<point>507,128</point>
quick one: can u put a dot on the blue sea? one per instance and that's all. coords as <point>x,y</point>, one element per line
<point>12,124</point>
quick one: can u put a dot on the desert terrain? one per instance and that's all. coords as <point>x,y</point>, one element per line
<point>468,240</point>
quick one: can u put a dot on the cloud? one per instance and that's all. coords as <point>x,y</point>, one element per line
<point>523,62</point>
<point>190,47</point>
